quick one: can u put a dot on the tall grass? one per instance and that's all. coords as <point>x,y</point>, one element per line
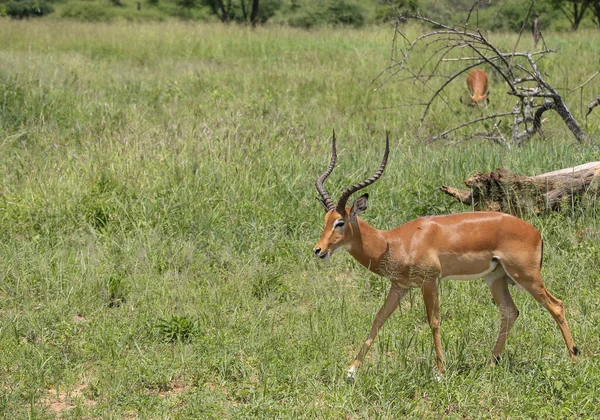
<point>157,216</point>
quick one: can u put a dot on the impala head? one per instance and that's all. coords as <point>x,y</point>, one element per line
<point>341,221</point>
<point>478,98</point>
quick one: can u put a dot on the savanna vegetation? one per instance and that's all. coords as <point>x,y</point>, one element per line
<point>509,15</point>
<point>158,213</point>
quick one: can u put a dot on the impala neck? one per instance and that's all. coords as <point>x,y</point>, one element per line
<point>368,245</point>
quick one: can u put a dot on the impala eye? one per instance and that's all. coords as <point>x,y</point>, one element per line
<point>338,223</point>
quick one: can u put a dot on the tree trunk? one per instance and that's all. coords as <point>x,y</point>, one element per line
<point>578,13</point>
<point>515,194</point>
<point>254,14</point>
<point>596,10</point>
<point>225,10</point>
<point>244,14</point>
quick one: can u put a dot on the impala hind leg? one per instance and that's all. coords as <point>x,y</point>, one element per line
<point>508,311</point>
<point>432,305</point>
<point>392,301</point>
<point>535,286</point>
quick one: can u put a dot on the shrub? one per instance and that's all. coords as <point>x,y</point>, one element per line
<point>386,12</point>
<point>116,290</point>
<point>187,4</point>
<point>505,16</point>
<point>267,10</point>
<point>176,329</point>
<point>20,9</point>
<point>341,12</point>
<point>306,18</point>
<point>332,12</point>
<point>87,11</point>
<point>237,11</point>
<point>196,14</point>
<point>268,282</point>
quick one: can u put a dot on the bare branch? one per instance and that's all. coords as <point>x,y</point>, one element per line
<point>593,105</point>
<point>521,31</point>
<point>505,55</point>
<point>529,94</point>
<point>584,83</point>
<point>461,59</point>
<point>487,117</point>
<point>471,11</point>
<point>523,80</point>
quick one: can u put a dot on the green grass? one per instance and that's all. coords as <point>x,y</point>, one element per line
<point>158,213</point>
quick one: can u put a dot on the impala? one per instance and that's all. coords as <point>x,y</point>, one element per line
<point>497,247</point>
<point>477,81</point>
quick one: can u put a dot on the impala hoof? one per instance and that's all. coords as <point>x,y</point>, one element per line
<point>351,375</point>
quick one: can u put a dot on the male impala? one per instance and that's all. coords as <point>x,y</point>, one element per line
<point>497,247</point>
<point>477,81</point>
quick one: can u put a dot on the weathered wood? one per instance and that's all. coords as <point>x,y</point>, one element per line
<point>593,105</point>
<point>515,194</point>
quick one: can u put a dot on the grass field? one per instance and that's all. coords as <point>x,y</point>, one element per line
<point>158,213</point>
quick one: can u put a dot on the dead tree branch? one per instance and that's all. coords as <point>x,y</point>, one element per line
<point>505,191</point>
<point>436,59</point>
<point>475,121</point>
<point>593,105</point>
<point>585,83</point>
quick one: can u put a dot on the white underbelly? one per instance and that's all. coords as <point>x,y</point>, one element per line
<point>493,265</point>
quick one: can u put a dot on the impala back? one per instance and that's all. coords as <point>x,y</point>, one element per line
<point>465,245</point>
<point>477,81</point>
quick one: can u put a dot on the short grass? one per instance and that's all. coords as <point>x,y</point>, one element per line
<point>158,212</point>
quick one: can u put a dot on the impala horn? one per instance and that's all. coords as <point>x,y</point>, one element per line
<point>341,205</point>
<point>325,199</point>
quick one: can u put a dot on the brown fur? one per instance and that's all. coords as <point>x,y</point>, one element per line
<point>477,82</point>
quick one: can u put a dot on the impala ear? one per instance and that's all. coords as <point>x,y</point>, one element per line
<point>359,205</point>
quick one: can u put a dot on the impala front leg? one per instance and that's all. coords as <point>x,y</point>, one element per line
<point>391,303</point>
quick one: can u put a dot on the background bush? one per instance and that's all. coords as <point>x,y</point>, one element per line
<point>87,11</point>
<point>508,15</point>
<point>20,9</point>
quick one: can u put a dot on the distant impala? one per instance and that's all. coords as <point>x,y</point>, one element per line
<point>477,81</point>
<point>497,247</point>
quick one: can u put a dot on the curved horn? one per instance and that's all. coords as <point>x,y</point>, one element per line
<point>341,205</point>
<point>326,199</point>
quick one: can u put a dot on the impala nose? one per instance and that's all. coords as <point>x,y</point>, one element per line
<point>317,252</point>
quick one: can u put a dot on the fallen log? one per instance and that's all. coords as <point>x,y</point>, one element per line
<point>515,194</point>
